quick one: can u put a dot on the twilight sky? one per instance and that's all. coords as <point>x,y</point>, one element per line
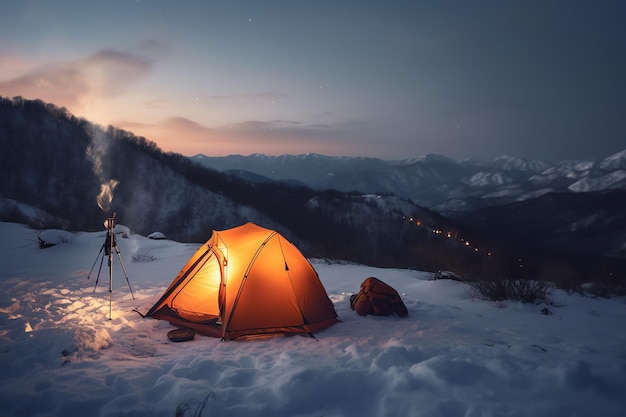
<point>392,79</point>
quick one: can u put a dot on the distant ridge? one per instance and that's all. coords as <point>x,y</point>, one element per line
<point>435,181</point>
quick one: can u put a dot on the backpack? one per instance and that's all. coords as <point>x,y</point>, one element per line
<point>377,298</point>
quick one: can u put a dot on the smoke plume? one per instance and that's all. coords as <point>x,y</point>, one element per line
<point>96,152</point>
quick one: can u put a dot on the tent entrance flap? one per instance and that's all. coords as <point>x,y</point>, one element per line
<point>198,297</point>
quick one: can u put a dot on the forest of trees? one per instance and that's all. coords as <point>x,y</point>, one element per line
<point>56,162</point>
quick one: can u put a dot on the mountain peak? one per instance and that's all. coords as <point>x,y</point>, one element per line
<point>511,163</point>
<point>616,161</point>
<point>431,158</point>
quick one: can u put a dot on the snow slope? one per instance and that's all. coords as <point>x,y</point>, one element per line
<point>453,355</point>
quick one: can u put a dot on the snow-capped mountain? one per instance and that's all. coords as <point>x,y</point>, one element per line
<point>434,181</point>
<point>510,198</point>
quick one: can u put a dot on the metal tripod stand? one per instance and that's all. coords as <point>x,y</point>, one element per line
<point>107,249</point>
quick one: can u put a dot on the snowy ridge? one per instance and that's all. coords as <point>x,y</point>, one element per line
<point>617,161</point>
<point>615,179</point>
<point>509,163</point>
<point>453,355</point>
<point>483,179</point>
<point>435,181</point>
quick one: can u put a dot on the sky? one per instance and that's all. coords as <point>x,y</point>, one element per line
<point>388,79</point>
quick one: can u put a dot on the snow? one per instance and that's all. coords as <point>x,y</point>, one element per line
<point>453,355</point>
<point>25,209</point>
<point>616,161</point>
<point>615,179</point>
<point>156,235</point>
<point>509,163</point>
<point>534,194</point>
<point>54,237</point>
<point>482,179</point>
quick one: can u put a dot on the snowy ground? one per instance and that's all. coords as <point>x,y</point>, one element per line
<point>453,356</point>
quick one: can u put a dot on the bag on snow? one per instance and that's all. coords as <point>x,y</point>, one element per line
<point>377,298</point>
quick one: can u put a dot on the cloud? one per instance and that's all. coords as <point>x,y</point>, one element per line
<point>350,138</point>
<point>177,134</point>
<point>273,128</point>
<point>105,74</point>
<point>12,66</point>
<point>62,86</point>
<point>185,124</point>
<point>283,133</point>
<point>156,104</point>
<point>189,137</point>
<point>112,71</point>
<point>264,95</point>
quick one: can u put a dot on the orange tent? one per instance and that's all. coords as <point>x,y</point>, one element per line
<point>246,281</point>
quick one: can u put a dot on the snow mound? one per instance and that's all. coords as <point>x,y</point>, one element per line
<point>53,237</point>
<point>156,235</point>
<point>90,340</point>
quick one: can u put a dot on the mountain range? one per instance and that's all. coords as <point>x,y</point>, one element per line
<point>434,181</point>
<point>432,213</point>
<point>581,204</point>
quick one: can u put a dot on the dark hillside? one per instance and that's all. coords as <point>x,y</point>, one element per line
<point>43,160</point>
<point>583,223</point>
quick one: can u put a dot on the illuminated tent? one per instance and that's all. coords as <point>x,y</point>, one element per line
<point>246,281</point>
